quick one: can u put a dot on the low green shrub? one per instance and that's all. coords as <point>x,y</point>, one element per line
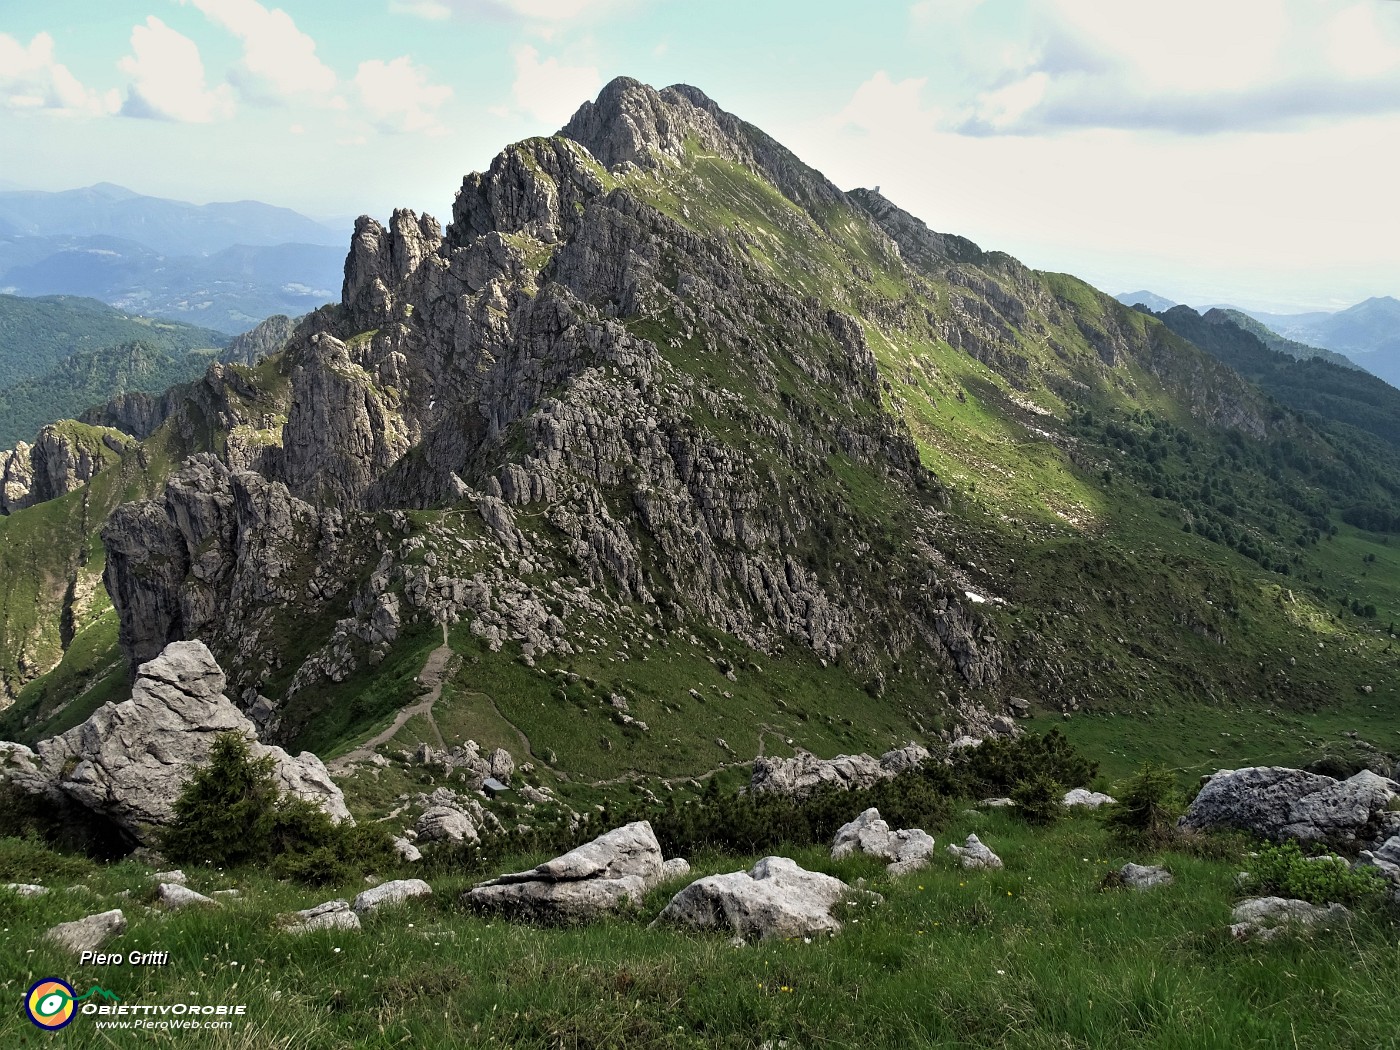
<point>998,765</point>
<point>1148,806</point>
<point>231,813</point>
<point>1039,800</point>
<point>1284,871</point>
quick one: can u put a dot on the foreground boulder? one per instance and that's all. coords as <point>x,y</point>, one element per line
<point>128,762</point>
<point>1279,803</point>
<point>776,898</point>
<point>90,933</point>
<point>1264,918</point>
<point>906,850</point>
<point>975,855</point>
<point>804,773</point>
<point>602,876</point>
<point>445,824</point>
<point>395,892</point>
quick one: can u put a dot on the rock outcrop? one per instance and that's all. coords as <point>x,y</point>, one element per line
<point>906,851</point>
<point>1144,876</point>
<point>613,871</point>
<point>1278,803</point>
<point>1387,860</point>
<point>776,898</point>
<point>804,773</point>
<point>128,762</point>
<point>1086,798</point>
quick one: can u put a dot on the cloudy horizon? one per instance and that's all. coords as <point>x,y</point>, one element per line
<point>1207,152</point>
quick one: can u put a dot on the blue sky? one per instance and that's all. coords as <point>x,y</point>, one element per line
<point>1238,151</point>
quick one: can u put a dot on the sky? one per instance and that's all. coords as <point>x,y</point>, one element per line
<point>1240,151</point>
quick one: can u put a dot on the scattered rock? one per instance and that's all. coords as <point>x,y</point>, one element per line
<point>1387,860</point>
<point>90,933</point>
<point>1144,876</point>
<point>975,855</point>
<point>675,868</point>
<point>407,850</point>
<point>1265,918</point>
<point>26,889</point>
<point>612,871</point>
<point>906,850</point>
<point>395,892</point>
<point>173,896</point>
<point>177,876</point>
<point>996,803</point>
<point>333,915</point>
<point>774,899</point>
<point>1085,797</point>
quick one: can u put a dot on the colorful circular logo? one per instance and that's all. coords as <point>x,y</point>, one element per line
<point>49,1004</point>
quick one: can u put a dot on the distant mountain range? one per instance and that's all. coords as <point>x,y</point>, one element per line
<point>222,266</point>
<point>1366,335</point>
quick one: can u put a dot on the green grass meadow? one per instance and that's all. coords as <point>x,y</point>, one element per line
<point>1037,955</point>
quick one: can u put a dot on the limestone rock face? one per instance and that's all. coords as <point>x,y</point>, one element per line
<point>1280,803</point>
<point>613,871</point>
<point>129,761</point>
<point>906,850</point>
<point>16,479</point>
<point>1264,918</point>
<point>90,933</point>
<point>776,898</point>
<point>975,854</point>
<point>445,824</point>
<point>804,773</point>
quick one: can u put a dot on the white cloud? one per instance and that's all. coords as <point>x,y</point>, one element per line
<point>1191,67</point>
<point>167,78</point>
<point>549,91</point>
<point>539,12</point>
<point>397,96</point>
<point>882,106</point>
<point>30,78</point>
<point>278,58</point>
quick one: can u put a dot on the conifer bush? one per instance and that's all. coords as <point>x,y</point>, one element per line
<point>230,813</point>
<point>1147,807</point>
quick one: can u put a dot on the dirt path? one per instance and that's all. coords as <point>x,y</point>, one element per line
<point>431,676</point>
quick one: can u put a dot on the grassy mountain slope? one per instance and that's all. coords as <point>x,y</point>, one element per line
<point>36,334</point>
<point>1274,341</point>
<point>1145,532</point>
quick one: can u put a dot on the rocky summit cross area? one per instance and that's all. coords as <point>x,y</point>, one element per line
<point>663,599</point>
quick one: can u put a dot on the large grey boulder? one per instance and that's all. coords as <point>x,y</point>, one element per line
<point>975,855</point>
<point>613,871</point>
<point>906,850</point>
<point>804,773</point>
<point>1279,803</point>
<point>776,898</point>
<point>333,915</point>
<point>89,933</point>
<point>129,761</point>
<point>395,892</point>
<point>1264,918</point>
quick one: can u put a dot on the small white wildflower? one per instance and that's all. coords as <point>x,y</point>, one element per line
<point>337,951</point>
